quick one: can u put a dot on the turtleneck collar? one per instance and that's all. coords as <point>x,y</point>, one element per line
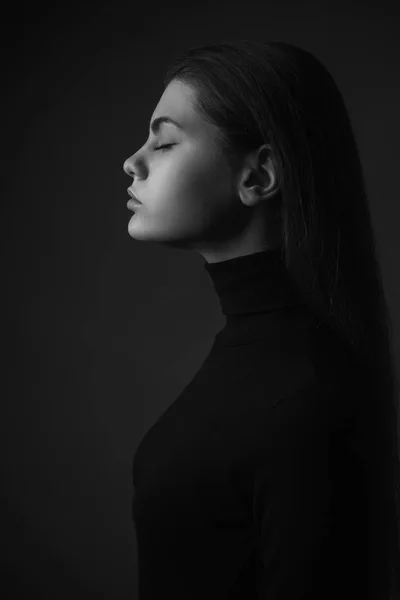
<point>252,283</point>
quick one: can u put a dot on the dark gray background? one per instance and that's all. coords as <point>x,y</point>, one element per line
<point>102,332</point>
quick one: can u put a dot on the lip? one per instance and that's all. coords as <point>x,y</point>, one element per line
<point>132,195</point>
<point>133,203</point>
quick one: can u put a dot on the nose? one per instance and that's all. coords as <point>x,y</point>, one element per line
<point>127,166</point>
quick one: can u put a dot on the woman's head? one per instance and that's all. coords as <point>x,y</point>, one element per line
<point>266,158</point>
<point>191,195</point>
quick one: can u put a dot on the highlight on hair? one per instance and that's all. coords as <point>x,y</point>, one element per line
<point>257,92</point>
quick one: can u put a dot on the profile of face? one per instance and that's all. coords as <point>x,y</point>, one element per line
<point>190,197</point>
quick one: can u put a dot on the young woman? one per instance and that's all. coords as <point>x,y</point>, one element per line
<point>275,473</point>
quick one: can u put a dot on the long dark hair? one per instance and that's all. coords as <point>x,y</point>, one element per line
<point>256,92</point>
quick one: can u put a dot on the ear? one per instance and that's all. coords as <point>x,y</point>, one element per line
<point>258,181</point>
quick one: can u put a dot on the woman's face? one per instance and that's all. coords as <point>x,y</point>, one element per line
<point>187,192</point>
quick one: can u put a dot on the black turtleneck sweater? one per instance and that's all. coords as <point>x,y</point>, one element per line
<point>246,487</point>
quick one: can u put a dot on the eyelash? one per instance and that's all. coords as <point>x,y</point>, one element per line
<point>163,146</point>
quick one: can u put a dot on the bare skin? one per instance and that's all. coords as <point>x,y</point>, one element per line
<point>190,198</point>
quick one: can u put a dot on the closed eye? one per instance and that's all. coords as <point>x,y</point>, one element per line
<point>163,147</point>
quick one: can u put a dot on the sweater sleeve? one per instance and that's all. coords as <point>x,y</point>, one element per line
<point>304,501</point>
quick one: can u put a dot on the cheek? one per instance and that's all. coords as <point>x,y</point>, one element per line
<point>189,184</point>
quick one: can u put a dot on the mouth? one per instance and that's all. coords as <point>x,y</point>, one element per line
<point>132,195</point>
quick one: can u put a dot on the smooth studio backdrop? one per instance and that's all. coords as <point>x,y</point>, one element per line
<point>102,332</point>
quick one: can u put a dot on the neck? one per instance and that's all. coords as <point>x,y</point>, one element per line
<point>252,283</point>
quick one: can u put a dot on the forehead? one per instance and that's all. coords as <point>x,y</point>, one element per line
<point>175,102</point>
<point>178,103</point>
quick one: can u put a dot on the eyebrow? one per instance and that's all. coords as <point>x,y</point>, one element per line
<point>155,126</point>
